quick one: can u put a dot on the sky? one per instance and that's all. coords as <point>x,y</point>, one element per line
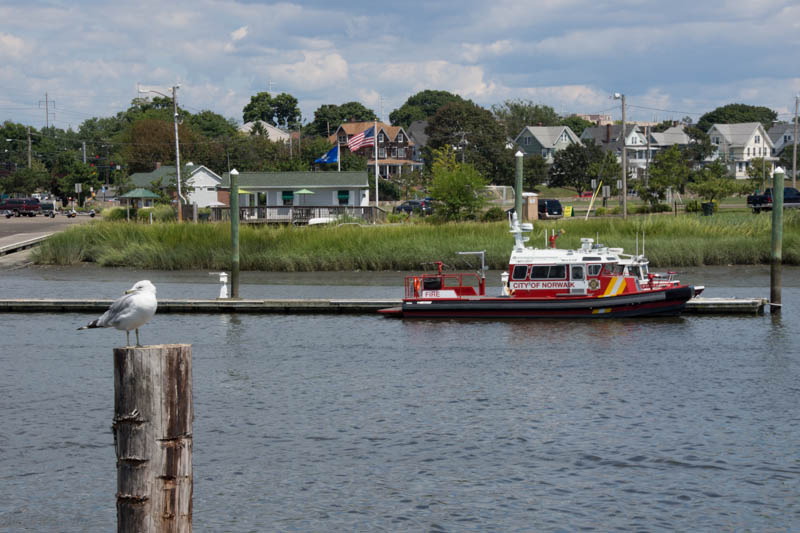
<point>673,59</point>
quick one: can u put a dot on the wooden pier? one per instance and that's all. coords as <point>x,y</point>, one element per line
<point>698,306</point>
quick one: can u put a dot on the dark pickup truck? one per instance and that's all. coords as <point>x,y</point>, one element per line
<point>759,202</point>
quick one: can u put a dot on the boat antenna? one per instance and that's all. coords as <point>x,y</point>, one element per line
<point>643,243</point>
<point>637,243</point>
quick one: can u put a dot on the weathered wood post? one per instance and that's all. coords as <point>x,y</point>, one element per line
<point>153,438</point>
<point>234,201</point>
<point>776,260</point>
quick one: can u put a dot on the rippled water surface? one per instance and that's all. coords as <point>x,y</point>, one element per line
<point>361,423</point>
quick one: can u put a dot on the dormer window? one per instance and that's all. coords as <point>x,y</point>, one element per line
<point>757,140</point>
<point>715,140</point>
<point>400,137</point>
<point>342,138</point>
<point>380,137</point>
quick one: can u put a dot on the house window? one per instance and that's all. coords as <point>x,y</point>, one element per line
<point>342,138</point>
<point>400,137</point>
<point>748,151</point>
<point>757,139</point>
<point>382,153</point>
<point>544,152</point>
<point>287,197</point>
<point>787,138</point>
<point>343,197</point>
<point>394,152</point>
<point>527,141</point>
<point>715,140</point>
<point>380,137</point>
<point>401,153</point>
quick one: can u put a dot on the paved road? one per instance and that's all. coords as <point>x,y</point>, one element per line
<point>9,227</point>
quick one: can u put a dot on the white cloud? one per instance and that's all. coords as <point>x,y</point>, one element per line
<point>11,46</point>
<point>315,70</point>
<point>239,34</point>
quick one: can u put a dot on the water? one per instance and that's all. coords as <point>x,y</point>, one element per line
<point>361,423</point>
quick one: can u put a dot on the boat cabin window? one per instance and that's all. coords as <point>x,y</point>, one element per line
<point>520,272</point>
<point>613,269</point>
<point>577,272</point>
<point>549,272</point>
<point>635,272</point>
<point>594,270</point>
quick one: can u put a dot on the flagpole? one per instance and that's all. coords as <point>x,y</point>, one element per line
<point>375,132</point>
<point>338,156</point>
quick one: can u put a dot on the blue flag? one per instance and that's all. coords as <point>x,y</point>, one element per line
<point>331,157</point>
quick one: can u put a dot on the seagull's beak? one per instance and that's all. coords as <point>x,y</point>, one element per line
<point>129,291</point>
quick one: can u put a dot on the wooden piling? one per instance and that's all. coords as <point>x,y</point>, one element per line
<point>153,438</point>
<point>776,258</point>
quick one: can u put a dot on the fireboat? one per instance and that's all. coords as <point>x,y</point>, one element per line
<point>593,281</point>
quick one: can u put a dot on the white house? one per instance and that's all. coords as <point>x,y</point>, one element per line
<point>273,134</point>
<point>737,144</point>
<point>201,181</point>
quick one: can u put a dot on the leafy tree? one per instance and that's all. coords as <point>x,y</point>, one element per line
<point>786,160</point>
<point>421,106</point>
<point>737,113</point>
<point>328,117</point>
<point>456,187</point>
<point>759,171</point>
<point>669,169</point>
<point>534,171</point>
<point>212,125</point>
<point>280,110</point>
<point>662,126</point>
<point>70,171</point>
<point>699,148</point>
<point>606,169</point>
<point>516,114</point>
<point>571,166</point>
<point>26,180</point>
<point>577,124</point>
<point>476,134</point>
<point>712,182</point>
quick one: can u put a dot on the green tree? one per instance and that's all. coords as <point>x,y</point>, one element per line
<point>476,134</point>
<point>737,113</point>
<point>516,114</point>
<point>212,125</point>
<point>699,148</point>
<point>286,111</point>
<point>712,182</point>
<point>421,106</point>
<point>670,169</point>
<point>26,180</point>
<point>534,171</point>
<point>571,166</point>
<point>328,117</point>
<point>456,187</point>
<point>759,171</point>
<point>260,107</point>
<point>576,124</point>
<point>70,171</point>
<point>606,169</point>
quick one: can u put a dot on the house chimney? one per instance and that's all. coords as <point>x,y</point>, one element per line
<point>158,165</point>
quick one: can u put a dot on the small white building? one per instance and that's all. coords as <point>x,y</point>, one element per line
<point>201,182</point>
<point>273,133</point>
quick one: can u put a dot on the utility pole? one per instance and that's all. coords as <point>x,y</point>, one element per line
<point>46,110</point>
<point>794,144</point>
<point>618,96</point>
<point>29,147</point>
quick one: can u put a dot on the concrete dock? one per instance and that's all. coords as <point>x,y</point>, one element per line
<point>742,306</point>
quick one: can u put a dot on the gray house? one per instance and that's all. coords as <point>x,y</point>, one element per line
<point>284,189</point>
<point>545,140</point>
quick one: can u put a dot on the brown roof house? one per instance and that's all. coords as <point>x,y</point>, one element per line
<point>394,147</point>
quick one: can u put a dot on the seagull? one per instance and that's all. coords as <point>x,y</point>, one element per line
<point>130,311</point>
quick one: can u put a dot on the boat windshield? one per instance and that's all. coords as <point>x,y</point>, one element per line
<point>613,269</point>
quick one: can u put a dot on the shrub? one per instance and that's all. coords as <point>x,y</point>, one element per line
<point>161,213</point>
<point>114,213</point>
<point>616,210</point>
<point>493,214</point>
<point>692,206</point>
<point>600,211</point>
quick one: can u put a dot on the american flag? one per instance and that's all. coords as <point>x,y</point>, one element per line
<point>365,138</point>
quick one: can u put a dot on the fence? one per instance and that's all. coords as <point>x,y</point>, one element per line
<point>299,215</point>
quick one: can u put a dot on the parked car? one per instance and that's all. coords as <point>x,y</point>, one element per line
<point>791,198</point>
<point>48,209</point>
<point>550,209</point>
<point>21,206</point>
<point>423,206</point>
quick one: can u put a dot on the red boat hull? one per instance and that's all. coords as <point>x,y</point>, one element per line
<point>666,302</point>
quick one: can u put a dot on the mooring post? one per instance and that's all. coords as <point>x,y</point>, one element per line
<point>153,438</point>
<point>518,184</point>
<point>234,174</point>
<point>775,263</point>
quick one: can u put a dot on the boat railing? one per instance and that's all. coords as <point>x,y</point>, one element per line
<point>433,285</point>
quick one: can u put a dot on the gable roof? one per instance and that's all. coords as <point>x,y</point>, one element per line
<point>273,132</point>
<point>740,134</point>
<point>299,180</point>
<point>140,193</point>
<point>167,174</point>
<point>547,136</point>
<point>608,136</point>
<point>670,136</point>
<point>352,128</point>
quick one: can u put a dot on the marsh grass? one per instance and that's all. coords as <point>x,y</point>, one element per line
<point>686,240</point>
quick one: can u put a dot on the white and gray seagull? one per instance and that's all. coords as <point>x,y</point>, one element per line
<point>130,311</point>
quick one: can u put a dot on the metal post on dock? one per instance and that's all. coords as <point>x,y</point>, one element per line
<point>776,260</point>
<point>234,174</point>
<point>153,415</point>
<point>518,185</point>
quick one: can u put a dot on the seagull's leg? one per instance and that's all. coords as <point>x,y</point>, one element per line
<point>127,338</point>
<point>137,337</point>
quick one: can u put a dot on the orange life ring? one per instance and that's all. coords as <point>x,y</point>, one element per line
<point>416,287</point>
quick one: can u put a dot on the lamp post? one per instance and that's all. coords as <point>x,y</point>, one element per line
<point>619,96</point>
<point>177,145</point>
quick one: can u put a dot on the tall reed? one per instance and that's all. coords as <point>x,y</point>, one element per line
<point>668,241</point>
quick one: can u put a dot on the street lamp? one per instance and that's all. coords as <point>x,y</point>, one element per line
<point>621,97</point>
<point>175,88</point>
